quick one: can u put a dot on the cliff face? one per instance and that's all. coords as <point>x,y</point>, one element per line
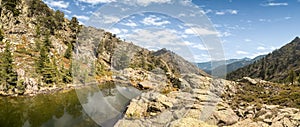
<point>40,42</point>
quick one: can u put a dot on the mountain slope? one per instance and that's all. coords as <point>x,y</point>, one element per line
<point>177,63</point>
<point>37,47</point>
<point>277,66</point>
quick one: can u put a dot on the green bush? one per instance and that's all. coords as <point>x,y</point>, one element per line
<point>12,6</point>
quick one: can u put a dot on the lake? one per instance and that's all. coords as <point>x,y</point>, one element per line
<point>91,106</point>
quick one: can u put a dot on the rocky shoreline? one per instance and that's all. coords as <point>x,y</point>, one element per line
<point>33,90</point>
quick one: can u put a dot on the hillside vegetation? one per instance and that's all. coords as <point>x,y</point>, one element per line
<point>282,65</point>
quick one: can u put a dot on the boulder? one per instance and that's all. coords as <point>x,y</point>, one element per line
<point>129,123</point>
<point>189,122</point>
<point>296,116</point>
<point>287,123</point>
<point>226,117</point>
<point>136,109</point>
<point>249,80</point>
<point>245,123</point>
<point>146,85</point>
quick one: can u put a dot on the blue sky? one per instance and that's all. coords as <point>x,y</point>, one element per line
<point>245,28</point>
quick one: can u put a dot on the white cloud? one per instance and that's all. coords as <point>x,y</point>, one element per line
<point>130,2</point>
<point>154,37</point>
<point>228,11</point>
<point>96,1</point>
<point>264,20</point>
<point>258,54</point>
<point>233,12</point>
<point>217,25</point>
<point>261,48</point>
<point>220,13</point>
<point>287,17</point>
<point>110,19</point>
<point>242,52</point>
<point>207,11</point>
<point>201,47</point>
<point>66,11</point>
<point>59,4</point>
<point>247,40</point>
<point>224,34</point>
<point>124,30</point>
<point>201,31</point>
<point>274,48</point>
<point>154,20</point>
<point>130,23</point>
<point>201,58</point>
<point>81,23</point>
<point>168,38</point>
<point>115,31</point>
<point>181,15</point>
<point>81,17</point>
<point>147,2</point>
<point>119,32</point>
<point>186,43</point>
<point>274,4</point>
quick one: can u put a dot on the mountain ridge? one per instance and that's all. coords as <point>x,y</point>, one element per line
<point>275,66</point>
<point>230,65</point>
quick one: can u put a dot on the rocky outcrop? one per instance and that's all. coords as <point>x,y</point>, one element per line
<point>195,104</point>
<point>200,102</point>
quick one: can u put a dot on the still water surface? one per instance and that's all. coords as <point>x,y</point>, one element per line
<point>85,107</point>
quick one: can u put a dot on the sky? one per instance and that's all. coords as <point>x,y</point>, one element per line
<point>198,30</point>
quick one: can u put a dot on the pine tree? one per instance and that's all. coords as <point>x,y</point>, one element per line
<point>67,74</point>
<point>68,53</point>
<point>46,68</point>
<point>47,43</point>
<point>292,76</point>
<point>8,76</point>
<point>74,25</point>
<point>59,19</point>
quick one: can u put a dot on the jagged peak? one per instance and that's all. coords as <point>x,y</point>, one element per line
<point>161,51</point>
<point>296,39</point>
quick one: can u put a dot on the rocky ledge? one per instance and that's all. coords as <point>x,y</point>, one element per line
<point>199,103</point>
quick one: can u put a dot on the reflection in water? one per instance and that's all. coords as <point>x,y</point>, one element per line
<point>65,109</point>
<point>107,106</point>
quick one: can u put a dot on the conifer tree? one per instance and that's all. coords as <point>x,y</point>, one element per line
<point>68,53</point>
<point>67,74</point>
<point>292,76</point>
<point>74,25</point>
<point>8,76</point>
<point>45,67</point>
